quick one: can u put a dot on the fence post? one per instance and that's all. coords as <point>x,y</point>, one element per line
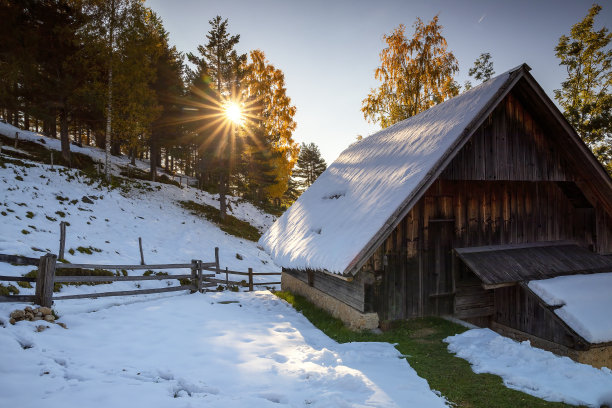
<point>142,262</point>
<point>16,139</point>
<point>44,280</point>
<point>51,159</point>
<point>200,282</point>
<point>226,279</point>
<point>194,276</point>
<point>250,279</point>
<point>62,240</point>
<point>217,269</point>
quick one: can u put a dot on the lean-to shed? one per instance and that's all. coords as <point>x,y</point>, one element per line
<point>453,212</point>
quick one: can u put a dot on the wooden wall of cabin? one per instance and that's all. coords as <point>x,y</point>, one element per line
<point>519,308</point>
<point>350,292</point>
<point>413,269</point>
<point>509,184</point>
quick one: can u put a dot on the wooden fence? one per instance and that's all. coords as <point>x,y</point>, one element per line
<point>47,266</point>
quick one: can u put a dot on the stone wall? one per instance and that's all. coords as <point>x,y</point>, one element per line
<point>351,317</point>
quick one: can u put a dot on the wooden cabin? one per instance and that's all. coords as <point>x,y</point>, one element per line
<point>502,192</point>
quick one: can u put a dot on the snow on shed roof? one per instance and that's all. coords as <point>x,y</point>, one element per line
<point>584,303</point>
<point>334,220</point>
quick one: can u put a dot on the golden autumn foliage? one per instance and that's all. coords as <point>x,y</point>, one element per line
<point>416,74</point>
<point>265,84</point>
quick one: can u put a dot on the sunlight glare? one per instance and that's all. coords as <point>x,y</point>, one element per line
<point>233,112</point>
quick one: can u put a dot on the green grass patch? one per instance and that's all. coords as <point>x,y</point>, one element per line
<point>421,341</point>
<point>8,290</point>
<point>231,224</point>
<point>30,214</point>
<point>149,272</point>
<point>136,173</point>
<point>25,232</point>
<point>87,250</point>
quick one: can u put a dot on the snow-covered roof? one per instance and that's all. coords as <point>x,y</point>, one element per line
<point>333,222</point>
<point>586,311</point>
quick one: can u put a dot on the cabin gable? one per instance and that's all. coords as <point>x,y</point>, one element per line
<point>511,183</point>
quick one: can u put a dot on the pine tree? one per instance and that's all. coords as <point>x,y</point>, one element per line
<point>309,165</point>
<point>482,70</point>
<point>169,88</point>
<point>585,96</point>
<point>135,107</point>
<point>50,72</point>
<point>416,74</point>
<point>219,69</point>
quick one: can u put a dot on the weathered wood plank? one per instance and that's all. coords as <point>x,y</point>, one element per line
<point>19,260</point>
<point>477,312</point>
<point>44,280</point>
<point>18,298</point>
<point>16,279</point>
<point>119,267</point>
<point>125,293</point>
<point>84,279</point>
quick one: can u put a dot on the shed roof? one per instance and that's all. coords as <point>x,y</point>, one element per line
<point>502,264</point>
<point>352,207</point>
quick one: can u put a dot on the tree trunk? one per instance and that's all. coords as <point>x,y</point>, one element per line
<point>153,157</point>
<point>222,201</point>
<point>53,126</point>
<point>26,121</point>
<point>65,142</point>
<point>79,135</point>
<point>115,147</point>
<point>88,137</point>
<point>109,110</point>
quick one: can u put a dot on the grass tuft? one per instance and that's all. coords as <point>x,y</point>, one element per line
<point>231,224</point>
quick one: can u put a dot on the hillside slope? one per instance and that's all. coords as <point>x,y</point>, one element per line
<point>104,223</point>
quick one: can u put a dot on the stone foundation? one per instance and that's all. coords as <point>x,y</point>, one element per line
<point>352,318</point>
<point>597,356</point>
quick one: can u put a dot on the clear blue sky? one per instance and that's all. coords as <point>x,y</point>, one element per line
<point>329,50</point>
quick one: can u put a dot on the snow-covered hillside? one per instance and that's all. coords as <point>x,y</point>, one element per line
<point>105,224</point>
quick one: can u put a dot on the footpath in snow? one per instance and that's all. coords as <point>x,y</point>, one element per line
<point>532,370</point>
<point>215,350</point>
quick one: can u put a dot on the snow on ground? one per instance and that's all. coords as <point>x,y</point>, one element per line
<point>583,310</point>
<point>54,144</point>
<point>215,349</point>
<point>532,370</point>
<point>34,199</point>
<point>240,209</point>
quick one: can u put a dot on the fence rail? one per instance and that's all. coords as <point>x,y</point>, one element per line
<point>19,260</point>
<point>47,266</point>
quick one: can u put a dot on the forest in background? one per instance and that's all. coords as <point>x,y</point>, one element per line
<point>103,73</point>
<point>92,72</point>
